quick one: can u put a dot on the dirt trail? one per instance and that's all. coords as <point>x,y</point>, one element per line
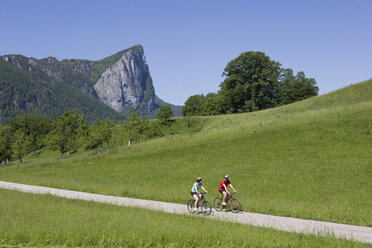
<point>356,233</point>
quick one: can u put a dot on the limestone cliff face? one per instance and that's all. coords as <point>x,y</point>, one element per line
<point>127,83</point>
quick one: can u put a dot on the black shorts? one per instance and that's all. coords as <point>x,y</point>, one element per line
<point>193,193</point>
<point>221,191</point>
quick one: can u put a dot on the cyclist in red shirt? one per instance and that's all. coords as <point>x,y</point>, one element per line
<point>222,188</point>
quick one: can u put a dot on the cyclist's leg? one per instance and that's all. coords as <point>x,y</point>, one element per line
<point>196,197</point>
<point>224,199</point>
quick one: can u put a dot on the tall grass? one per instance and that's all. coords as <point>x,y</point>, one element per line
<point>310,159</point>
<point>42,220</point>
<point>173,127</point>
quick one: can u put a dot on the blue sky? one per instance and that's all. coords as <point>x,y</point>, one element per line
<point>188,43</point>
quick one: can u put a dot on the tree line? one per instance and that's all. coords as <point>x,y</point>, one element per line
<point>252,82</point>
<point>30,133</point>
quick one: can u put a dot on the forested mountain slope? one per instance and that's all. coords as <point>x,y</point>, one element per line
<point>21,93</point>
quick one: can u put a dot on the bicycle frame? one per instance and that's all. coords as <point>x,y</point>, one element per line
<point>201,197</point>
<point>229,197</point>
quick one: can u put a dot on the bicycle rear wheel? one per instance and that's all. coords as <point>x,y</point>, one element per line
<point>235,205</point>
<point>190,205</point>
<point>217,203</point>
<point>206,207</point>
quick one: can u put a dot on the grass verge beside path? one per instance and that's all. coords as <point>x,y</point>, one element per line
<point>42,220</point>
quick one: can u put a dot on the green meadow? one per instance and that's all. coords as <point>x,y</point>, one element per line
<point>29,220</point>
<point>311,159</point>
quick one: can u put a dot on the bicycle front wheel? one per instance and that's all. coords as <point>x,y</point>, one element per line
<point>217,203</point>
<point>190,205</point>
<point>206,207</point>
<point>235,205</point>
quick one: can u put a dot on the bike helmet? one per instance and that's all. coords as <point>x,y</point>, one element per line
<point>199,179</point>
<point>226,176</point>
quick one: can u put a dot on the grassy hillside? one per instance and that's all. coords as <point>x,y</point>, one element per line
<point>72,223</point>
<point>310,159</point>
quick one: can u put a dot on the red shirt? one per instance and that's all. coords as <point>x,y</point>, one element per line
<point>227,182</point>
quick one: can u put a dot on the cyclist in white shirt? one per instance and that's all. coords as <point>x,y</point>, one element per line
<point>195,191</point>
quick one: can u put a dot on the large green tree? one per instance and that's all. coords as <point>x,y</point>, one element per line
<point>215,104</point>
<point>251,82</point>
<point>296,88</point>
<point>194,105</point>
<point>68,129</point>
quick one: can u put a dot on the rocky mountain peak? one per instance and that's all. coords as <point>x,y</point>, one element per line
<point>127,83</point>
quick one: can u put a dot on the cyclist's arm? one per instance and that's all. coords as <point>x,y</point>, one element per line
<point>204,189</point>
<point>232,187</point>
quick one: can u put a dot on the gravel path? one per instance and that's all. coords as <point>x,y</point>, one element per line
<point>355,233</point>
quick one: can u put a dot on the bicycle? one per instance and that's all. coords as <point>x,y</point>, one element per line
<point>234,203</point>
<point>206,207</point>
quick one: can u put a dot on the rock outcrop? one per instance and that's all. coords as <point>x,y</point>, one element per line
<point>127,83</point>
